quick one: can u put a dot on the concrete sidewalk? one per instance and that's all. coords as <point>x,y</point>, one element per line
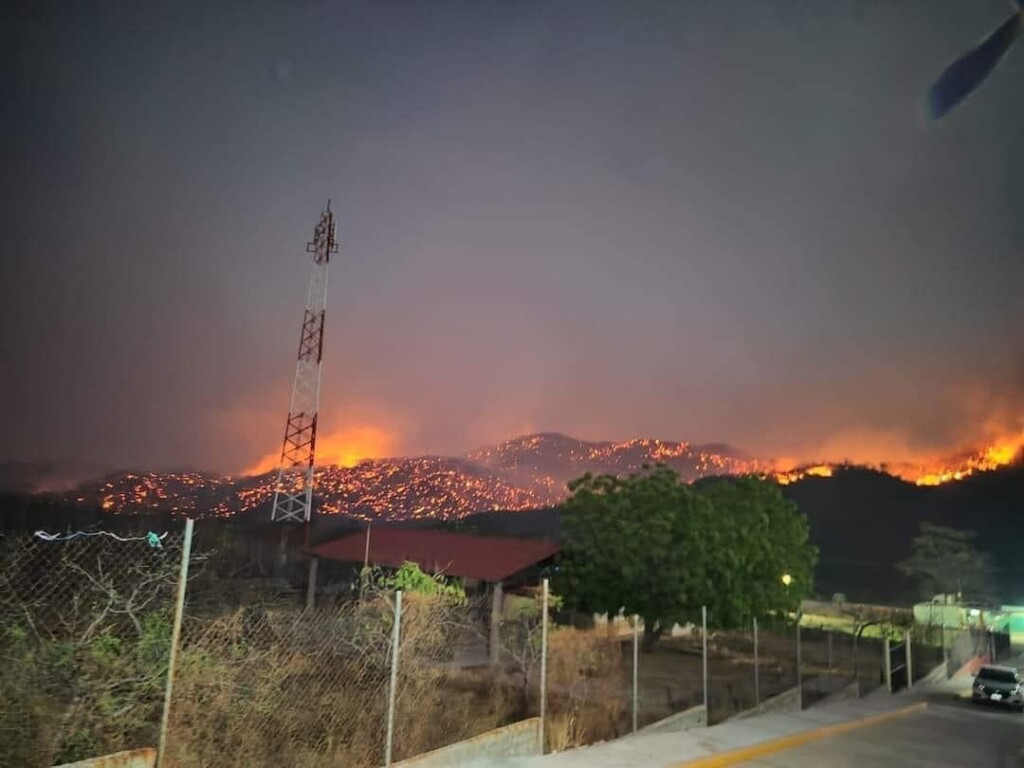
<point>667,750</point>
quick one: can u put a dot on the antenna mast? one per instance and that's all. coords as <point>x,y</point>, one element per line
<point>293,490</point>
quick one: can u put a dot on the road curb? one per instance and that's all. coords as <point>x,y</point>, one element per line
<point>797,739</point>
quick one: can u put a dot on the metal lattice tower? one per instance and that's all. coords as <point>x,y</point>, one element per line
<point>293,490</point>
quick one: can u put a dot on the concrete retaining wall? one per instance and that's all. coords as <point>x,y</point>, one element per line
<point>681,721</point>
<point>937,675</point>
<point>135,758</point>
<point>517,740</point>
<point>787,701</point>
<point>849,691</point>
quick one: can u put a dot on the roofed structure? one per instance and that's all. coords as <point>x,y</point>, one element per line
<point>486,558</point>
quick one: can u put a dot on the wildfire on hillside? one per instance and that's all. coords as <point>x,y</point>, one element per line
<point>792,475</point>
<point>525,473</point>
<point>998,454</point>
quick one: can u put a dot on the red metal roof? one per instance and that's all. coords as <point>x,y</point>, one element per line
<point>487,558</point>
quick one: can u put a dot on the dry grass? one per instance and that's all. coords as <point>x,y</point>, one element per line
<point>586,680</point>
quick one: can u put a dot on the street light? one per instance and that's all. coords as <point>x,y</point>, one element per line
<point>787,579</point>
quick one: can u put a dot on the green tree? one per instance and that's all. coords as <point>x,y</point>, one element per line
<point>946,561</point>
<point>651,545</point>
<point>763,560</point>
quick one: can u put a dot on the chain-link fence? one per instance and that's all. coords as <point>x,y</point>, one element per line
<point>272,684</point>
<point>445,688</point>
<point>85,632</point>
<point>738,671</point>
<point>587,686</point>
<point>364,677</point>
<point>748,667</point>
<point>262,681</point>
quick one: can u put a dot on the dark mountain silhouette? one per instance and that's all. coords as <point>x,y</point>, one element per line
<point>863,521</point>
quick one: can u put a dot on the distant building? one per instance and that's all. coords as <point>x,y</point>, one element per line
<point>500,563</point>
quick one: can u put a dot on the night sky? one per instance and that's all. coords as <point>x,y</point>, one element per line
<point>706,220</point>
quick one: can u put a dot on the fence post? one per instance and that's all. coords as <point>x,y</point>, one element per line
<point>636,657</point>
<point>910,660</point>
<point>704,660</point>
<point>314,563</point>
<point>945,651</point>
<point>830,653</point>
<point>887,661</point>
<point>799,671</point>
<point>393,686</point>
<point>757,670</point>
<point>179,608</point>
<point>543,660</point>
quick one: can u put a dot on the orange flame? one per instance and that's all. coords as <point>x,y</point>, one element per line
<point>1000,453</point>
<point>791,476</point>
<point>345,448</point>
<point>935,471</point>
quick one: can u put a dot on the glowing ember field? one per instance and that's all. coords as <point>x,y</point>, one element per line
<point>523,473</point>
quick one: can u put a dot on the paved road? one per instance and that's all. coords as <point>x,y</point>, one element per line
<point>951,732</point>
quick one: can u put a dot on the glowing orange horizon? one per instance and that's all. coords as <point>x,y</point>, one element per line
<point>344,448</point>
<point>935,471</point>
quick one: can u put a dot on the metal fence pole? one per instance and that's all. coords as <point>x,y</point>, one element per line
<point>830,653</point>
<point>704,659</point>
<point>393,687</point>
<point>910,660</point>
<point>314,563</point>
<point>543,660</point>
<point>636,657</point>
<point>179,609</point>
<point>799,670</point>
<point>757,670</point>
<point>945,651</point>
<point>887,661</point>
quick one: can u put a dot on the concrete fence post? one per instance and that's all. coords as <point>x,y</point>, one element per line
<point>704,660</point>
<point>393,686</point>
<point>757,670</point>
<point>636,659</point>
<point>543,660</point>
<point>179,609</point>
